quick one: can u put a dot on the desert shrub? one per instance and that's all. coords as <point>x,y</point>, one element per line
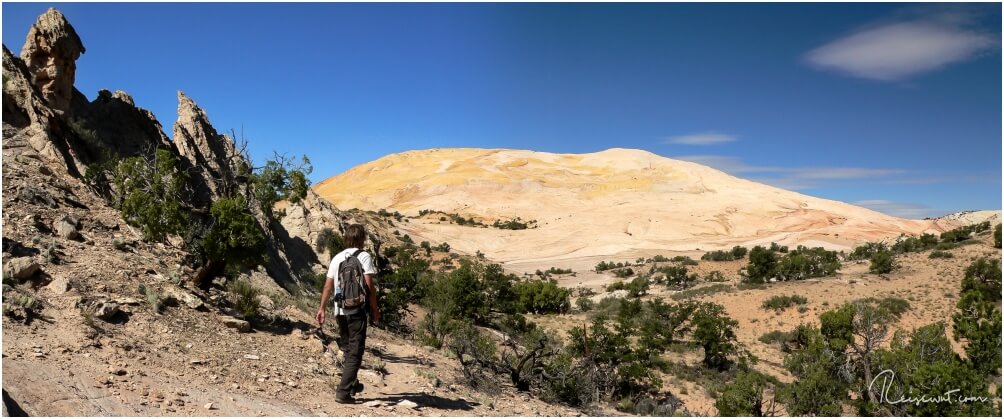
<point>882,263</point>
<point>280,179</point>
<point>558,271</point>
<point>715,276</point>
<point>604,265</point>
<point>718,256</point>
<point>244,298</point>
<point>977,321</point>
<point>984,276</point>
<point>684,260</point>
<point>584,303</point>
<point>781,302</point>
<point>938,254</point>
<point>997,236</point>
<point>677,277</point>
<point>715,331</point>
<point>866,251</point>
<point>803,263</point>
<point>400,287</point>
<point>914,244</point>
<point>442,247</point>
<point>774,247</point>
<point>747,396</point>
<point>761,266</point>
<point>924,359</point>
<point>701,292</point>
<point>775,336</point>
<point>514,224</point>
<point>329,241</point>
<point>541,297</point>
<point>737,252</point>
<point>234,237</point>
<point>148,193</point>
<point>476,354</point>
<point>660,258</point>
<point>895,306</point>
<point>152,298</point>
<point>623,272</point>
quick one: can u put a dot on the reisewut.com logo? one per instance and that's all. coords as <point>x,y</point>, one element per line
<point>887,381</point>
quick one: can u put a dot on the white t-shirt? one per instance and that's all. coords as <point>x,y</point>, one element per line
<point>369,268</point>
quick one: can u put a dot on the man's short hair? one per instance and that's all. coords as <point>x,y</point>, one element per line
<point>355,236</point>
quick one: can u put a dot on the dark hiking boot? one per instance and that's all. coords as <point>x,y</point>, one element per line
<point>346,399</point>
<point>358,388</point>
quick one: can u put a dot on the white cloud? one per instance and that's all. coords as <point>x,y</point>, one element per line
<point>792,178</point>
<point>895,51</point>
<point>900,209</point>
<point>706,138</point>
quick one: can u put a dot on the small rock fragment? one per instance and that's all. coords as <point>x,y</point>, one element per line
<point>407,404</point>
<point>235,323</point>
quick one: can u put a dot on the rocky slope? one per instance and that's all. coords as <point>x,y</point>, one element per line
<point>598,204</point>
<point>99,322</point>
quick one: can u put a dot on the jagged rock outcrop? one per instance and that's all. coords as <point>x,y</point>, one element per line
<point>214,154</point>
<point>112,124</point>
<point>50,52</point>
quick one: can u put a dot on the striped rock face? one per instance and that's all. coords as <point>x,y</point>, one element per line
<point>600,203</point>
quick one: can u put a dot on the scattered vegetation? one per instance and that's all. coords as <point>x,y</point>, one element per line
<point>737,252</point>
<point>244,299</point>
<point>782,302</point>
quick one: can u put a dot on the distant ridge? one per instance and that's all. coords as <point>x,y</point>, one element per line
<point>601,203</point>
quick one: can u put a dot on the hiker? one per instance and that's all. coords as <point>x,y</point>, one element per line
<point>350,279</point>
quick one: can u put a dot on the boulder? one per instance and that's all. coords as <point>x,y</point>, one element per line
<point>66,228</point>
<point>59,285</point>
<point>21,268</point>
<point>235,323</point>
<point>180,295</point>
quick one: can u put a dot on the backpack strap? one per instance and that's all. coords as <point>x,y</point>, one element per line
<point>357,252</point>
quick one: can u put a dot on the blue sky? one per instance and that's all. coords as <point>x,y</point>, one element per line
<point>892,106</point>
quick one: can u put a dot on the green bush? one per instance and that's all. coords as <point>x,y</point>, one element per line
<point>761,266</point>
<point>684,260</point>
<point>867,250</point>
<point>746,396</point>
<point>984,276</point>
<point>737,252</point>
<point>235,237</point>
<point>881,263</point>
<point>803,263</point>
<point>584,303</point>
<point>623,272</point>
<point>279,179</point>
<point>715,331</point>
<point>541,297</point>
<point>997,236</point>
<point>676,276</point>
<point>147,190</point>
<point>781,302</point>
<point>329,241</point>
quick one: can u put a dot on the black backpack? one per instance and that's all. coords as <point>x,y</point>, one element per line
<point>352,283</point>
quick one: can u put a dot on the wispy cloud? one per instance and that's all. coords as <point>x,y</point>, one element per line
<point>897,50</point>
<point>900,209</point>
<point>793,178</point>
<point>705,138</point>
